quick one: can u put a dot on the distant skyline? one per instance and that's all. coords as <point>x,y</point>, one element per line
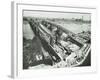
<point>67,15</point>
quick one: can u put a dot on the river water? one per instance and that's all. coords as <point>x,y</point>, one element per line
<point>75,27</point>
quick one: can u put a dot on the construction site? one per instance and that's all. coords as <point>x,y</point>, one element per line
<point>48,44</point>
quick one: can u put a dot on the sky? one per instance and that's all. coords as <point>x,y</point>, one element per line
<point>68,15</point>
